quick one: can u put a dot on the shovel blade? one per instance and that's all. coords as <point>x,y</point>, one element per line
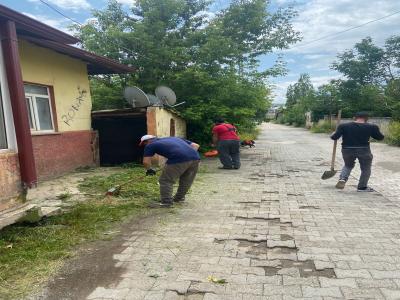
<point>328,174</point>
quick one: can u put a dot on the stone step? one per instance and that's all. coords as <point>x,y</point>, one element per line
<point>27,212</point>
<point>11,216</point>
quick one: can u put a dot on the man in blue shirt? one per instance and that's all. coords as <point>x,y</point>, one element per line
<point>183,163</point>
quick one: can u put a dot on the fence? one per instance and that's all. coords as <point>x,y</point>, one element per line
<point>383,123</point>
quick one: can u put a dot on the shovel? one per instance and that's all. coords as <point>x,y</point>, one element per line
<point>332,171</point>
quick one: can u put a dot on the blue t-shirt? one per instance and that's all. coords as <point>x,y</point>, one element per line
<point>176,150</point>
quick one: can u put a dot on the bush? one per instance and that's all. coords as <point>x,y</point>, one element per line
<point>393,138</point>
<point>249,134</point>
<point>323,127</point>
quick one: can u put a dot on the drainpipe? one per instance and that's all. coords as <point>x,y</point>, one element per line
<point>9,45</point>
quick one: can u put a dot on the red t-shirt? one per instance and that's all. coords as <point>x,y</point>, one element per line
<point>225,132</point>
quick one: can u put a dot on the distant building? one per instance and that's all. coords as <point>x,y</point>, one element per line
<point>273,112</point>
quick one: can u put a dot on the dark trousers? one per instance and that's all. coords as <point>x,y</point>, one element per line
<point>364,157</point>
<point>185,172</point>
<point>229,153</point>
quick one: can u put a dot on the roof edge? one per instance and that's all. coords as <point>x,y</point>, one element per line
<point>31,25</point>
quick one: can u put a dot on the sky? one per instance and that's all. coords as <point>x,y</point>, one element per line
<point>316,18</point>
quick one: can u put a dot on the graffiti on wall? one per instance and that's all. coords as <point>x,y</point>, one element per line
<point>69,117</point>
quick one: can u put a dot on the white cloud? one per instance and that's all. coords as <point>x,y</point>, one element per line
<point>318,18</point>
<point>127,2</point>
<point>69,4</point>
<point>60,24</point>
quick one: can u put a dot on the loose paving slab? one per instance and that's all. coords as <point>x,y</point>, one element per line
<point>271,230</point>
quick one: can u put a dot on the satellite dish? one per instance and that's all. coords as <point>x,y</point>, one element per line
<point>154,100</point>
<point>136,97</point>
<point>166,95</point>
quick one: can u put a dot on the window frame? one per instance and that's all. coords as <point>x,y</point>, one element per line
<point>34,112</point>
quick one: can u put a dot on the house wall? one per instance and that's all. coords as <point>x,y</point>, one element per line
<point>10,184</point>
<point>67,76</point>
<point>158,123</point>
<point>71,145</point>
<point>55,154</point>
<point>10,181</point>
<point>159,120</point>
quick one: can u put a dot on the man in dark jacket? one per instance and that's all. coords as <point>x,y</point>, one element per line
<point>355,145</point>
<point>226,139</point>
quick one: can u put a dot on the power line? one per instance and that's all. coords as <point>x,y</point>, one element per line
<point>81,25</point>
<point>60,12</point>
<point>346,30</point>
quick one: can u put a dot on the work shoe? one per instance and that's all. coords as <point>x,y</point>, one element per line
<point>341,184</point>
<point>224,168</point>
<point>365,190</point>
<point>179,200</point>
<point>166,204</point>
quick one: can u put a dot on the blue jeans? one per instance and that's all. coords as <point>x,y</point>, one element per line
<point>364,157</point>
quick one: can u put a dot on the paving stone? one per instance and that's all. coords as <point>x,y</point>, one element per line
<point>351,293</point>
<point>352,273</point>
<point>154,295</point>
<point>206,287</point>
<point>135,294</point>
<point>234,261</point>
<point>376,283</point>
<point>391,294</point>
<point>210,296</point>
<point>248,289</point>
<point>310,281</point>
<point>271,290</point>
<point>217,233</point>
<point>321,265</point>
<point>385,274</point>
<point>311,292</point>
<point>105,293</point>
<point>332,282</point>
<point>273,280</point>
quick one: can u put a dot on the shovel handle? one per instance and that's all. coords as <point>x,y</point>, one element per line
<point>333,155</point>
<point>335,142</point>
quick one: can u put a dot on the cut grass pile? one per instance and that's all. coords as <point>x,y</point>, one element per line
<point>30,253</point>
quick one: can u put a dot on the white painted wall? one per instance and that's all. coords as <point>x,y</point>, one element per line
<point>5,95</point>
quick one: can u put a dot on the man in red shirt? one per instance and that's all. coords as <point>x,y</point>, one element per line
<point>228,144</point>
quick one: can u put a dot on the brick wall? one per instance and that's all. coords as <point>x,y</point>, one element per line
<point>10,183</point>
<point>56,154</point>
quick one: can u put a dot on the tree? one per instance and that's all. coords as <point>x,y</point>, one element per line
<point>211,63</point>
<point>327,100</point>
<point>363,64</point>
<point>299,99</point>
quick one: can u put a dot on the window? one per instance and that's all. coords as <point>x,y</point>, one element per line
<point>3,134</point>
<point>39,107</point>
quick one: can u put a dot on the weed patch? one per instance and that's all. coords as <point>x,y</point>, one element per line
<point>323,127</point>
<point>30,253</point>
<point>393,138</point>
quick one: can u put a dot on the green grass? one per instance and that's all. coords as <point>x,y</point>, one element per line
<point>30,253</point>
<point>393,138</point>
<point>323,127</point>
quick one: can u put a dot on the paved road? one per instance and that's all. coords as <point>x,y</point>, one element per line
<point>272,230</point>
